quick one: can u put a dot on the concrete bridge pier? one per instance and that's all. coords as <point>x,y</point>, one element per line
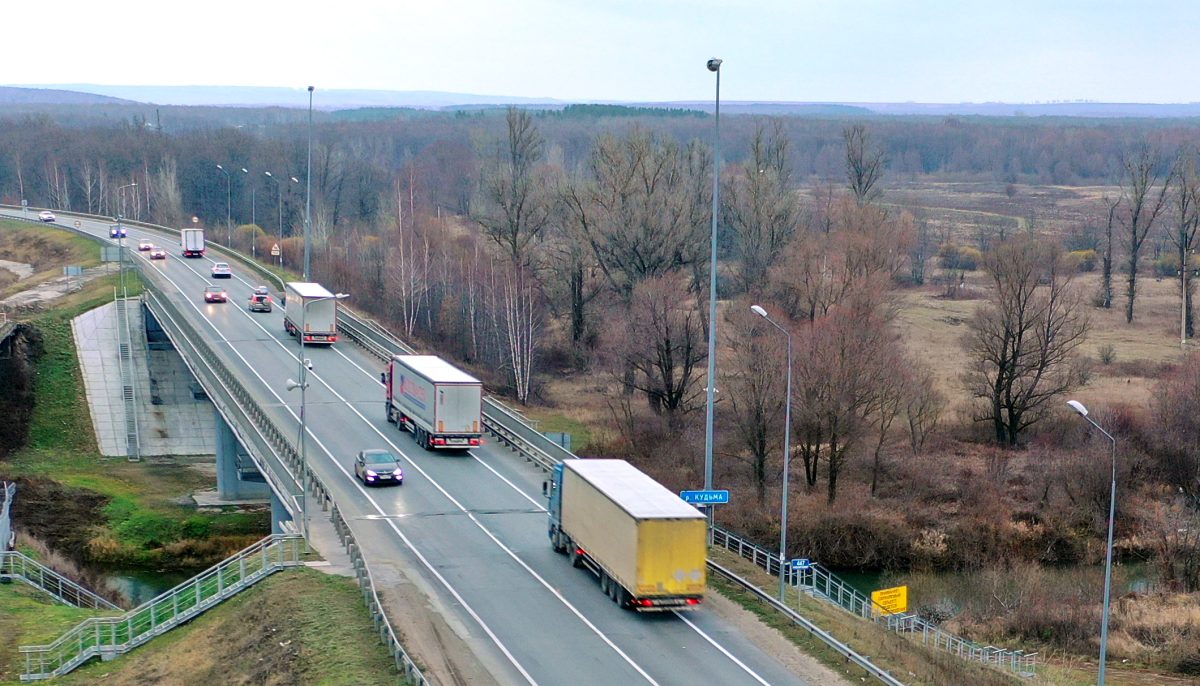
<point>237,478</point>
<point>279,515</point>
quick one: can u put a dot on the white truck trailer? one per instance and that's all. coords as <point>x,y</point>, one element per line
<point>192,242</point>
<point>311,309</point>
<point>646,544</point>
<point>440,404</point>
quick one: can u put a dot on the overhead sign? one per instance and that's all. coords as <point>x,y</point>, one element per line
<point>275,250</point>
<point>891,600</point>
<point>799,563</point>
<point>705,497</point>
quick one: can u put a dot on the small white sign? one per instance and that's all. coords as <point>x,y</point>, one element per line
<point>275,250</point>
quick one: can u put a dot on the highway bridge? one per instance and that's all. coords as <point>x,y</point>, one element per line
<point>468,531</point>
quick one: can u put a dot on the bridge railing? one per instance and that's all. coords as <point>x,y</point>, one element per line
<point>111,636</point>
<point>17,565</point>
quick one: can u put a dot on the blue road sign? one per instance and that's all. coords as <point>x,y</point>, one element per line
<point>705,497</point>
<point>801,563</point>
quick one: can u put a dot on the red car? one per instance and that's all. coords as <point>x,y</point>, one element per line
<point>157,253</point>
<point>214,294</point>
<point>143,246</point>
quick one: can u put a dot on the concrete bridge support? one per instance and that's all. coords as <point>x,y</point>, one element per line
<point>279,515</point>
<point>237,479</point>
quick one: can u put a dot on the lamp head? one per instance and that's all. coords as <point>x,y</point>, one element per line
<point>1078,407</point>
<point>759,311</point>
<point>295,180</point>
<point>220,167</point>
<point>245,171</point>
<point>714,64</point>
<point>311,88</point>
<point>269,174</point>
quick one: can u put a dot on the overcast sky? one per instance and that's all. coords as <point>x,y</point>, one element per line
<point>632,50</point>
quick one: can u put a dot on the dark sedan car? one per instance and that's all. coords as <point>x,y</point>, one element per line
<point>376,467</point>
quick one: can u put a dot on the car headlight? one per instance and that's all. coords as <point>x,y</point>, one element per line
<point>397,472</point>
<point>371,472</point>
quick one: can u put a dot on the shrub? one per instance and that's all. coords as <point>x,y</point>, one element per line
<point>1084,259</point>
<point>969,259</point>
<point>1166,266</point>
<point>1108,354</point>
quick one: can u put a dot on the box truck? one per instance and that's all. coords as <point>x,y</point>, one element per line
<point>192,242</point>
<point>440,404</point>
<point>646,544</point>
<point>311,309</point>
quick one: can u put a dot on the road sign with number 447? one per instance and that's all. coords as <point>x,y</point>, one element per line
<point>801,563</point>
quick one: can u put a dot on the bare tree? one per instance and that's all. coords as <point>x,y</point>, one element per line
<point>754,385</point>
<point>1176,411</point>
<point>923,406</point>
<point>1141,207</point>
<point>1022,342</point>
<point>663,342</point>
<point>521,324</point>
<point>761,207</point>
<point>1186,202</point>
<point>1106,284</point>
<point>864,164</point>
<point>516,201</point>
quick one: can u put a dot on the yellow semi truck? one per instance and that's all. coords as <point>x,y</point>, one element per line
<point>647,546</point>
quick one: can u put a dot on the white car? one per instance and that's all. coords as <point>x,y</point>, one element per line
<point>46,216</point>
<point>157,253</point>
<point>144,245</point>
<point>221,270</point>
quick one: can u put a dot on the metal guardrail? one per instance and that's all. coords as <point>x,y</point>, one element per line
<point>823,584</point>
<point>7,492</point>
<point>383,625</point>
<point>843,649</point>
<point>18,565</point>
<point>108,637</point>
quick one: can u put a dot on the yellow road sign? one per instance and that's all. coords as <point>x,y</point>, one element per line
<point>891,600</point>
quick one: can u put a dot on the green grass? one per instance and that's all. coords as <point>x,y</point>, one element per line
<point>28,616</point>
<point>581,434</point>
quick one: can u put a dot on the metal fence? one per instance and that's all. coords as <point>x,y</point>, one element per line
<point>108,637</point>
<point>17,565</point>
<point>823,584</point>
<point>7,492</point>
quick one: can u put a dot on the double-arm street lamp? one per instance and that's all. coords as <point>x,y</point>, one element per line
<point>1112,514</point>
<point>787,450</point>
<point>302,374</point>
<point>228,198</point>
<point>714,65</point>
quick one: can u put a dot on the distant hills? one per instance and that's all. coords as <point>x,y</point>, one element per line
<point>348,99</point>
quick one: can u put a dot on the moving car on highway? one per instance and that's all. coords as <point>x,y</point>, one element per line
<point>221,270</point>
<point>260,302</point>
<point>117,231</point>
<point>376,467</point>
<point>158,252</point>
<point>214,294</point>
<point>46,216</point>
<point>144,245</point>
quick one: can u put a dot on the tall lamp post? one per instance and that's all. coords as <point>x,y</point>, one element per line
<point>714,65</point>
<point>228,202</point>
<point>787,448</point>
<point>253,202</point>
<point>1112,514</point>
<point>308,197</point>
<point>302,384</point>
<point>121,232</point>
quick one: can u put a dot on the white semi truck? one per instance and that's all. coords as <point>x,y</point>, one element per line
<point>192,242</point>
<point>440,404</point>
<point>311,309</point>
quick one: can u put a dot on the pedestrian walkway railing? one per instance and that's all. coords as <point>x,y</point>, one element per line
<point>109,637</point>
<point>128,372</point>
<point>820,583</point>
<point>17,565</point>
<point>7,492</point>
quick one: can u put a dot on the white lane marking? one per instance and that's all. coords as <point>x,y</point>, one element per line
<point>420,556</point>
<point>725,652</point>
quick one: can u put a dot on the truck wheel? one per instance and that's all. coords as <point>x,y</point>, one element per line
<point>605,584</point>
<point>620,595</point>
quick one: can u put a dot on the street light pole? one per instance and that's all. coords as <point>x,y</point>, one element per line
<point>302,384</point>
<point>714,65</point>
<point>228,202</point>
<point>120,231</point>
<point>787,449</point>
<point>308,197</point>
<point>1112,514</point>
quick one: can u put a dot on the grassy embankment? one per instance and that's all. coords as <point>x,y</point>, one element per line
<point>47,250</point>
<point>108,510</point>
<point>296,627</point>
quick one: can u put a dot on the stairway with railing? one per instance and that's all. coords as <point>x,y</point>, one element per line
<point>108,637</point>
<point>820,583</point>
<point>17,565</point>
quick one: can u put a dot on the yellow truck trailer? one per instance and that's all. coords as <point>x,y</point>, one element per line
<point>647,546</point>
